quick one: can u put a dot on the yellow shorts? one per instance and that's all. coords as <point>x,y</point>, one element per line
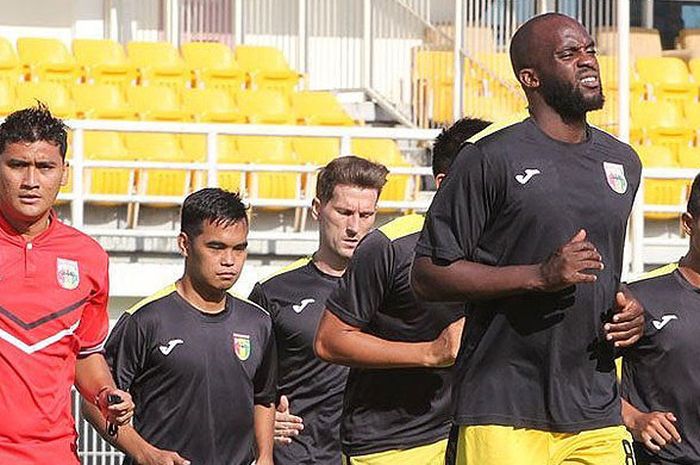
<point>431,454</point>
<point>498,445</point>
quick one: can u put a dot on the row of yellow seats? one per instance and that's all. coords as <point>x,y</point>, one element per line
<point>161,147</point>
<point>667,192</point>
<point>663,123</point>
<point>104,61</point>
<point>105,101</point>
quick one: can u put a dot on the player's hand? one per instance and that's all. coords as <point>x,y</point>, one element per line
<point>156,456</point>
<point>570,264</point>
<point>628,322</point>
<point>117,414</point>
<point>443,350</point>
<point>655,430</point>
<point>286,424</point>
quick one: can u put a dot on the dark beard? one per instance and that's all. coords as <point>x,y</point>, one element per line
<point>567,100</point>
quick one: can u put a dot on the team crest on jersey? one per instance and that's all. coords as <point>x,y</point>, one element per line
<point>241,346</point>
<point>67,273</point>
<point>615,175</point>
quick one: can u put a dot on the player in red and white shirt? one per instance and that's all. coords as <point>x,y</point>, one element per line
<point>53,301</point>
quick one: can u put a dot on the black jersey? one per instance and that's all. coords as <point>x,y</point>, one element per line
<point>536,360</point>
<point>387,409</point>
<point>661,372</point>
<point>295,298</point>
<point>195,377</point>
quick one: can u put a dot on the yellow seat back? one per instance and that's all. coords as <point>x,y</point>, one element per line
<point>54,95</point>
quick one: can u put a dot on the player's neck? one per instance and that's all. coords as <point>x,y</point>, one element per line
<point>569,130</point>
<point>203,298</point>
<point>29,230</point>
<point>689,266</point>
<point>330,263</point>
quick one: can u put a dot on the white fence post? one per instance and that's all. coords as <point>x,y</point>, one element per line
<point>77,202</point>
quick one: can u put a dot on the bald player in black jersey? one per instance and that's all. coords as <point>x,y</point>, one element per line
<point>200,362</point>
<point>311,390</point>
<point>529,229</point>
<point>397,402</point>
<point>661,373</point>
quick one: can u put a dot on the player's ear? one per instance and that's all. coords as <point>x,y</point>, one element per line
<point>183,243</point>
<point>65,174</point>
<point>528,78</point>
<point>688,223</point>
<point>439,178</point>
<point>315,208</point>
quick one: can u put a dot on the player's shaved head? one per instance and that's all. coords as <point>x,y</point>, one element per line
<point>534,38</point>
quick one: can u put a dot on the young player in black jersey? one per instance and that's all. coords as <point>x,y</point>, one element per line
<point>397,403</point>
<point>199,362</point>
<point>660,375</point>
<point>529,229</point>
<point>311,390</point>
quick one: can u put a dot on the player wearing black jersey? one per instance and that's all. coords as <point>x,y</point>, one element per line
<point>536,377</point>
<point>660,376</point>
<point>200,361</point>
<point>397,403</point>
<point>312,390</point>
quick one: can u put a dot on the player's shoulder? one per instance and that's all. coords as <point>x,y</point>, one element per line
<point>86,245</point>
<point>614,147</point>
<point>286,271</point>
<point>493,137</point>
<point>401,227</point>
<point>655,279</point>
<point>252,309</point>
<point>156,301</point>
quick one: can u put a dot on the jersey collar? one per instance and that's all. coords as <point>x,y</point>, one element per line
<point>9,233</point>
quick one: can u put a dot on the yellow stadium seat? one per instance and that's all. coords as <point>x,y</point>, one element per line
<point>689,157</point>
<point>47,60</point>
<point>101,101</point>
<point>660,123</point>
<point>265,107</point>
<point>668,77</point>
<point>608,66</point>
<point>156,103</point>
<point>386,152</point>
<point>316,150</point>
<point>9,63</point>
<point>99,145</point>
<point>266,67</point>
<point>195,148</point>
<point>498,67</point>
<point>213,66</point>
<point>158,63</point>
<point>103,61</point>
<point>275,151</point>
<point>159,147</point>
<point>433,75</point>
<point>7,97</point>
<point>54,95</point>
<point>643,42</point>
<point>211,105</point>
<point>661,191</point>
<point>319,108</point>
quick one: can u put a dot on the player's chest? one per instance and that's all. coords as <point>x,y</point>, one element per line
<point>674,325</point>
<point>298,317</point>
<point>191,349</point>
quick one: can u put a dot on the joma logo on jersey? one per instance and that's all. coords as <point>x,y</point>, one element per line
<point>615,175</point>
<point>241,346</point>
<point>67,273</point>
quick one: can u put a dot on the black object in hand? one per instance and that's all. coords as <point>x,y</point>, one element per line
<point>113,399</point>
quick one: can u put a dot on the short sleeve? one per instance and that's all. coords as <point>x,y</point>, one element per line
<point>258,296</point>
<point>462,207</point>
<point>265,379</point>
<point>365,283</point>
<point>94,322</point>
<point>125,351</point>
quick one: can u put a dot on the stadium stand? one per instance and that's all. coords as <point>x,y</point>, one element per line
<point>213,66</point>
<point>266,68</point>
<point>158,64</point>
<point>47,60</point>
<point>103,61</point>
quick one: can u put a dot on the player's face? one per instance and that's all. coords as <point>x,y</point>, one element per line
<point>691,226</point>
<point>215,257</point>
<point>346,218</point>
<point>31,174</point>
<point>569,73</point>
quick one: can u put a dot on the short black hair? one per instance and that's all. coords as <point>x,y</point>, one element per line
<point>211,204</point>
<point>694,198</point>
<point>448,142</point>
<point>34,124</point>
<point>525,38</point>
<point>350,171</point>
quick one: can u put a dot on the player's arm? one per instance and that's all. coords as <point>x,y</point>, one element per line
<point>654,429</point>
<point>286,424</point>
<point>344,344</point>
<point>264,394</point>
<point>264,421</point>
<point>94,382</point>
<point>129,441</point>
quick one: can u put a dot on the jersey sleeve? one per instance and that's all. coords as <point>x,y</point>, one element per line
<point>94,322</point>
<point>462,206</point>
<point>365,283</point>
<point>125,351</point>
<point>265,379</point>
<point>258,296</point>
